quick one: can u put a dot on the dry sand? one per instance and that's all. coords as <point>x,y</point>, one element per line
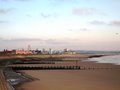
<point>97,79</point>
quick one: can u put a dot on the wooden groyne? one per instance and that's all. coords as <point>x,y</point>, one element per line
<point>98,68</point>
<point>59,68</point>
<point>34,62</point>
<point>45,67</point>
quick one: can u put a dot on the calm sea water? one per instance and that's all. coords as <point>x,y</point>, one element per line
<point>115,59</point>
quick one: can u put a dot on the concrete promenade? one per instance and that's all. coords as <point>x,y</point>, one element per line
<point>3,83</point>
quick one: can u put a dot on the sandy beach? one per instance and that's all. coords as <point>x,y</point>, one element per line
<point>106,78</point>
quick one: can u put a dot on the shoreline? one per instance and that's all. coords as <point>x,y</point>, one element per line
<point>83,62</point>
<point>29,79</point>
<point>110,59</point>
<point>36,84</point>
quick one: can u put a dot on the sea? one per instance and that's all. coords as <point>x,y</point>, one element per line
<point>114,59</point>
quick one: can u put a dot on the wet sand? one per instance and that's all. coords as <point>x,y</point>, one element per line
<point>93,79</point>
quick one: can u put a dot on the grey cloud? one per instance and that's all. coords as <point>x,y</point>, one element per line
<point>64,0</point>
<point>54,41</point>
<point>1,38</point>
<point>15,0</point>
<point>6,10</point>
<point>81,29</point>
<point>47,41</point>
<point>110,23</point>
<point>34,42</point>
<point>25,39</point>
<point>98,22</point>
<point>28,15</point>
<point>115,23</point>
<point>22,0</point>
<point>83,11</point>
<point>2,21</point>
<point>59,2</point>
<point>46,15</point>
<point>4,0</point>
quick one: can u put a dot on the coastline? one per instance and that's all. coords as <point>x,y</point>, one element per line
<point>29,79</point>
<point>104,76</point>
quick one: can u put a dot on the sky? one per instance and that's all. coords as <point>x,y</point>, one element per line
<point>59,24</point>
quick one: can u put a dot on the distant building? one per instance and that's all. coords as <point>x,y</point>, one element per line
<point>5,52</point>
<point>65,50</point>
<point>22,52</point>
<point>37,51</point>
<point>68,51</point>
<point>8,52</point>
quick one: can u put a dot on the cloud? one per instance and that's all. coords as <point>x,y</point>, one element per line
<point>2,21</point>
<point>28,15</point>
<point>83,11</point>
<point>1,38</point>
<point>45,15</point>
<point>34,42</point>
<point>64,0</point>
<point>115,23</point>
<point>46,41</point>
<point>5,10</point>
<point>4,0</point>
<point>110,23</point>
<point>54,41</point>
<point>81,29</point>
<point>23,0</point>
<point>25,39</point>
<point>98,22</point>
<point>70,43</point>
<point>15,0</point>
<point>59,2</point>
